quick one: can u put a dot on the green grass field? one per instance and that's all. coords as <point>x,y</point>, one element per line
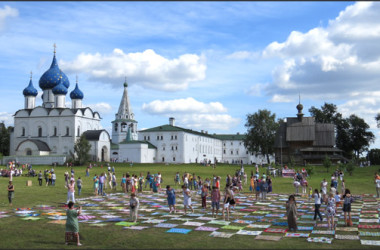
<point>16,233</point>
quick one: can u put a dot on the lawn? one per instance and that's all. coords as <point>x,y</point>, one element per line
<point>17,233</point>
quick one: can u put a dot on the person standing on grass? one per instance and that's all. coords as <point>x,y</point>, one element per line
<point>70,192</point>
<point>187,198</point>
<point>204,194</point>
<point>96,184</point>
<point>377,184</point>
<point>317,204</point>
<point>79,185</point>
<point>114,181</point>
<point>50,178</point>
<point>347,200</point>
<point>330,211</point>
<point>53,178</point>
<point>72,225</point>
<point>263,189</point>
<point>11,192</point>
<point>215,201</point>
<point>171,198</point>
<point>40,178</point>
<point>101,184</point>
<point>110,179</point>
<point>141,182</point>
<point>134,207</point>
<point>124,183</point>
<point>324,189</point>
<point>226,202</point>
<point>291,213</point>
<point>296,185</point>
<point>147,178</point>
<point>342,186</point>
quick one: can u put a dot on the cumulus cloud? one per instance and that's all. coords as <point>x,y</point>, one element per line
<point>5,13</point>
<point>329,63</point>
<point>101,107</point>
<point>193,114</point>
<point>146,68</point>
<point>188,105</point>
<point>7,118</point>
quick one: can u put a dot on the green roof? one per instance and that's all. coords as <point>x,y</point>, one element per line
<point>166,128</point>
<point>124,120</point>
<point>150,145</point>
<point>230,137</point>
<point>114,146</point>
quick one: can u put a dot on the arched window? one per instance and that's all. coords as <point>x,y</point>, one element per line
<point>78,132</point>
<point>67,131</point>
<point>116,126</point>
<point>23,131</point>
<point>55,131</point>
<point>28,152</point>
<point>39,132</point>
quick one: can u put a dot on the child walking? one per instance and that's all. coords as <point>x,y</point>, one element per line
<point>215,200</point>
<point>204,194</point>
<point>134,207</point>
<point>171,198</point>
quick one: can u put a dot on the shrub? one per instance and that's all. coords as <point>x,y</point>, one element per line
<point>350,167</point>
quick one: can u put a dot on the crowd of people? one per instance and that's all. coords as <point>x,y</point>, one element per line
<point>222,199</point>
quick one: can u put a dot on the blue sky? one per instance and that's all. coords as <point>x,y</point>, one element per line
<point>208,64</point>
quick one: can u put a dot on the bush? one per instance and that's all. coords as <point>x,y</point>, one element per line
<point>350,167</point>
<point>310,170</point>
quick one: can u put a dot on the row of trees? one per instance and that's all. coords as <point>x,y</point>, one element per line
<point>352,133</point>
<point>4,139</point>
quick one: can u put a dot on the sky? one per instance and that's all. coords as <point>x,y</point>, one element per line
<point>207,64</point>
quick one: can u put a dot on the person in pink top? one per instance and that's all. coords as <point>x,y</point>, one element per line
<point>71,191</point>
<point>215,200</point>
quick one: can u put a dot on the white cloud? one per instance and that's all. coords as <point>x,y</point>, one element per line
<point>331,62</point>
<point>5,13</point>
<point>7,118</point>
<point>193,114</point>
<point>188,105</point>
<point>101,107</point>
<point>256,89</point>
<point>280,98</point>
<point>243,55</point>
<point>145,68</point>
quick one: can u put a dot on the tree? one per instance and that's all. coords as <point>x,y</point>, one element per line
<point>374,156</point>
<point>359,134</point>
<point>350,167</point>
<point>352,135</point>
<point>4,139</point>
<point>81,151</point>
<point>309,170</point>
<point>327,163</point>
<point>261,132</point>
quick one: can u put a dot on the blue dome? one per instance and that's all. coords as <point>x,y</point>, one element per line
<point>60,89</point>
<point>30,90</point>
<point>51,77</point>
<point>76,93</point>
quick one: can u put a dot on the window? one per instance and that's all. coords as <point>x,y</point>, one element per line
<point>78,132</point>
<point>232,152</point>
<point>246,152</point>
<point>162,137</point>
<point>171,138</point>
<point>224,144</point>
<point>144,138</point>
<point>39,132</point>
<point>175,137</point>
<point>163,149</point>
<point>158,137</point>
<point>148,138</point>
<point>67,131</point>
<point>237,152</point>
<point>116,126</point>
<point>173,158</point>
<point>224,151</point>
<point>23,131</point>
<point>176,148</point>
<point>240,143</point>
<point>172,147</point>
<point>29,152</point>
<point>232,143</point>
<point>163,159</point>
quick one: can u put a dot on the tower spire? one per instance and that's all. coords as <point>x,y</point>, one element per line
<point>31,75</point>
<point>55,46</point>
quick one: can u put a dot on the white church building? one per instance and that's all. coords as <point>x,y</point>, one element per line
<point>46,134</point>
<point>172,144</point>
